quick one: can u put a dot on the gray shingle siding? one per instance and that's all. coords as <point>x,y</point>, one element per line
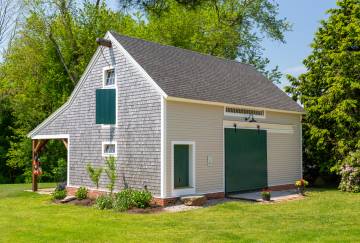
<point>138,132</point>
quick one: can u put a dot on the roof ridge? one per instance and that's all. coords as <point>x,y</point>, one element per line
<point>183,49</point>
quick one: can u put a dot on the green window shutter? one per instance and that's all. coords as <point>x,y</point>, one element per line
<point>105,106</point>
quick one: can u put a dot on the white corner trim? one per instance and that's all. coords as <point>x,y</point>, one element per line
<point>108,154</point>
<point>163,149</point>
<point>192,177</point>
<point>269,127</point>
<point>137,65</point>
<point>203,102</point>
<point>68,161</point>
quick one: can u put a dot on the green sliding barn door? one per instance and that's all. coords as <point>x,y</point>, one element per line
<point>181,166</point>
<point>245,159</point>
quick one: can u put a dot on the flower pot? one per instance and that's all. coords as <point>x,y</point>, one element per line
<point>266,197</point>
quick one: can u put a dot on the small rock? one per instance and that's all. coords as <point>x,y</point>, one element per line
<point>68,199</point>
<point>197,200</point>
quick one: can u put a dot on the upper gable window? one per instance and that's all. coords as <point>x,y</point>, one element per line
<point>109,77</point>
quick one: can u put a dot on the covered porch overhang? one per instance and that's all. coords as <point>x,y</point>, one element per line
<point>38,145</point>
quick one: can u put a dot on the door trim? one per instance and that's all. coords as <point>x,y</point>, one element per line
<point>192,185</point>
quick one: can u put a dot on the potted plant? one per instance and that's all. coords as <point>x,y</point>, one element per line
<point>301,185</point>
<point>266,194</point>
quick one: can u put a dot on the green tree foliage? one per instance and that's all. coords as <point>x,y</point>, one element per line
<point>56,40</point>
<point>330,89</point>
<point>228,29</point>
<point>110,171</point>
<point>94,174</point>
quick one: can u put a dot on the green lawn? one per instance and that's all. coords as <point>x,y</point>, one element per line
<point>325,215</point>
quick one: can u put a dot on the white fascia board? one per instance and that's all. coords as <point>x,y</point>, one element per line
<point>51,136</point>
<point>137,65</point>
<point>73,94</point>
<point>203,102</point>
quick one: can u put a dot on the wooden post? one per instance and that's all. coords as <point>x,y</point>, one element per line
<point>34,177</point>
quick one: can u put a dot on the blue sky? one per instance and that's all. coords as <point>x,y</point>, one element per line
<point>305,16</point>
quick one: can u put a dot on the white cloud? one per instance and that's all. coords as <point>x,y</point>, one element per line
<point>297,70</point>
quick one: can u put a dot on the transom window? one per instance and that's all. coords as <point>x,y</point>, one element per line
<point>109,149</point>
<point>109,77</point>
<point>241,112</point>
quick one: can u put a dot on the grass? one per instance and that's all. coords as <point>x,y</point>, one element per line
<point>325,215</point>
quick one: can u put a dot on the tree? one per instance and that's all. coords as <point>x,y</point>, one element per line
<point>41,68</point>
<point>232,29</point>
<point>330,90</point>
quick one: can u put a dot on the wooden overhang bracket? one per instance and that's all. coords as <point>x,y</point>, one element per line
<point>39,146</point>
<point>103,42</point>
<point>65,143</point>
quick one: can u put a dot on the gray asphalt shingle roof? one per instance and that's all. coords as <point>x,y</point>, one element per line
<point>188,74</point>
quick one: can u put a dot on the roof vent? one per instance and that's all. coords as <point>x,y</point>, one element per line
<point>241,112</point>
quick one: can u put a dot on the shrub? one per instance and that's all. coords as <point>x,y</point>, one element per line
<point>104,202</point>
<point>142,198</point>
<point>266,194</point>
<point>81,193</point>
<point>350,173</point>
<point>129,198</point>
<point>59,194</point>
<point>111,173</point>
<point>94,174</point>
<point>124,200</point>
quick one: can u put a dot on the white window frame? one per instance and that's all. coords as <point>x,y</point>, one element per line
<point>103,149</point>
<point>105,69</point>
<point>192,162</point>
<point>114,86</point>
<point>244,115</point>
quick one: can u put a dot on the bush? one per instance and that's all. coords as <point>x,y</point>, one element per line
<point>81,193</point>
<point>123,200</point>
<point>129,198</point>
<point>350,173</point>
<point>104,202</point>
<point>59,194</point>
<point>142,198</point>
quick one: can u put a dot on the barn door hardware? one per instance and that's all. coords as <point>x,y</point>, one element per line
<point>235,126</point>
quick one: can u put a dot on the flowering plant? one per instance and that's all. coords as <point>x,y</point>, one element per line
<point>301,183</point>
<point>266,194</point>
<point>350,173</point>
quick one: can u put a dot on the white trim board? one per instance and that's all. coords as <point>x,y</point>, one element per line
<point>203,102</point>
<point>192,173</point>
<point>269,127</point>
<point>163,149</point>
